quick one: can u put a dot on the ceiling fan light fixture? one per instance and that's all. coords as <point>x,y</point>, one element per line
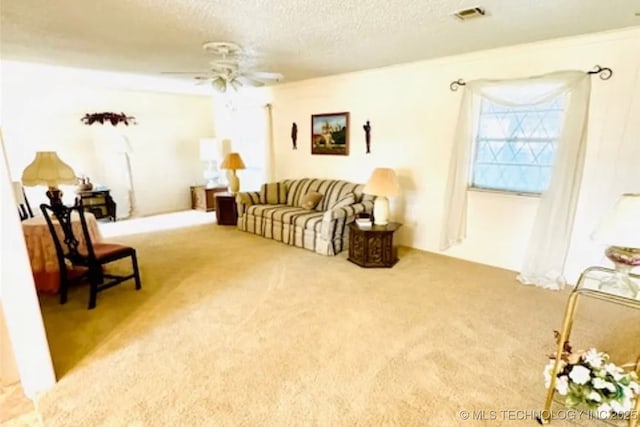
<point>235,84</point>
<point>219,84</point>
<point>221,48</point>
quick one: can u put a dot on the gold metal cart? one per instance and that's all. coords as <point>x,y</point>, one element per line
<point>587,287</point>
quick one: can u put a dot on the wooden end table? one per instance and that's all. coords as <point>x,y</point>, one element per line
<point>203,198</point>
<point>226,210</point>
<point>373,246</point>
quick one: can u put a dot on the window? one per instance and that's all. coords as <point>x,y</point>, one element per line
<point>515,146</point>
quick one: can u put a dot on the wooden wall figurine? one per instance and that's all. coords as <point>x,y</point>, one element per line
<point>367,136</point>
<point>294,135</point>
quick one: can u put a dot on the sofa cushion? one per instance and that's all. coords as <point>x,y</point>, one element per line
<point>273,193</point>
<point>338,190</point>
<point>310,200</point>
<point>307,220</point>
<point>272,211</point>
<point>331,189</point>
<point>346,200</point>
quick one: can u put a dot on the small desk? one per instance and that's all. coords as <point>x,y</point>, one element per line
<point>98,202</point>
<point>373,246</point>
<point>42,250</point>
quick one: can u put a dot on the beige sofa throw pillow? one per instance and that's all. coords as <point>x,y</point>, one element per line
<point>310,200</point>
<point>346,200</point>
<point>274,193</point>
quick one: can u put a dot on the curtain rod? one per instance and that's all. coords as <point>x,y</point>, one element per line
<point>605,73</point>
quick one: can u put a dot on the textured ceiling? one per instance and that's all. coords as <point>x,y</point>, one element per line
<point>301,39</point>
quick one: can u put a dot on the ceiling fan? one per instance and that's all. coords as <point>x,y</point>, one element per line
<point>225,70</point>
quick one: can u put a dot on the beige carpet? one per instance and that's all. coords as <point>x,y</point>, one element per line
<point>234,330</point>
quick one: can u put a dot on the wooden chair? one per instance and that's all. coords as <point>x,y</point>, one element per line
<point>88,264</point>
<point>24,209</point>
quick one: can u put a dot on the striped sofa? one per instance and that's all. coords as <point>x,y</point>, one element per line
<point>322,230</point>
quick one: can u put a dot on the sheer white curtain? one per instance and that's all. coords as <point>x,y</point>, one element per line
<point>111,166</point>
<point>551,233</point>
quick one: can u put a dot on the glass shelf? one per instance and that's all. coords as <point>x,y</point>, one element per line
<point>589,284</point>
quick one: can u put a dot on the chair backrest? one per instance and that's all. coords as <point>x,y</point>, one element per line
<point>24,209</point>
<point>68,248</point>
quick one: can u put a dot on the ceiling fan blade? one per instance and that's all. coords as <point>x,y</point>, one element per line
<point>263,75</point>
<point>184,72</point>
<point>247,81</point>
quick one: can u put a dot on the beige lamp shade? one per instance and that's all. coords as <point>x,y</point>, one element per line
<point>621,226</point>
<point>233,161</point>
<point>48,169</point>
<point>383,182</point>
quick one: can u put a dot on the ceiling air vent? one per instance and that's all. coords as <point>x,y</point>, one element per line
<point>466,14</point>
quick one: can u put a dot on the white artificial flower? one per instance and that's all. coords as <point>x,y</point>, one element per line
<point>548,369</point>
<point>621,407</point>
<point>613,370</point>
<point>604,410</point>
<point>595,396</point>
<point>628,391</point>
<point>593,358</point>
<point>599,383</point>
<point>562,385</point>
<point>580,375</point>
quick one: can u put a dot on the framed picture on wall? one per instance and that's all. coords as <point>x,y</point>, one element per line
<point>330,133</point>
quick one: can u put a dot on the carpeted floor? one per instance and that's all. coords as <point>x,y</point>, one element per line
<point>231,329</point>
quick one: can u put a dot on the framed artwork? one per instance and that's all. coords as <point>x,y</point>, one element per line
<point>330,133</point>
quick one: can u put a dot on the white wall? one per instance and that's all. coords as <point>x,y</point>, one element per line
<point>413,116</point>
<point>8,368</point>
<point>242,125</point>
<point>19,300</point>
<point>43,105</point>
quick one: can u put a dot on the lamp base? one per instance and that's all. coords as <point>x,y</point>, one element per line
<point>624,260</point>
<point>381,211</point>
<point>234,182</point>
<point>211,174</point>
<point>55,196</point>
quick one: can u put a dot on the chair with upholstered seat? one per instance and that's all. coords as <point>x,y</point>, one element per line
<point>87,261</point>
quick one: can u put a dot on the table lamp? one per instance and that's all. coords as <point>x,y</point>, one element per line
<point>47,169</point>
<point>383,183</point>
<point>209,154</point>
<point>620,229</point>
<point>233,162</point>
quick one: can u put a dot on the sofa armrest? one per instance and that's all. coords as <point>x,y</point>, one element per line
<point>246,199</point>
<point>348,212</point>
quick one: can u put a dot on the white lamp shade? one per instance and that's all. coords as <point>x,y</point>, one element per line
<point>209,149</point>
<point>48,169</point>
<point>621,226</point>
<point>383,182</point>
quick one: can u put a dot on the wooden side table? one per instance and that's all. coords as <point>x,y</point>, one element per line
<point>226,212</point>
<point>203,198</point>
<point>373,246</point>
<point>98,202</point>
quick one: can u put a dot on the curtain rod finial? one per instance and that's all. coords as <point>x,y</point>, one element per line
<point>456,84</point>
<point>605,73</point>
